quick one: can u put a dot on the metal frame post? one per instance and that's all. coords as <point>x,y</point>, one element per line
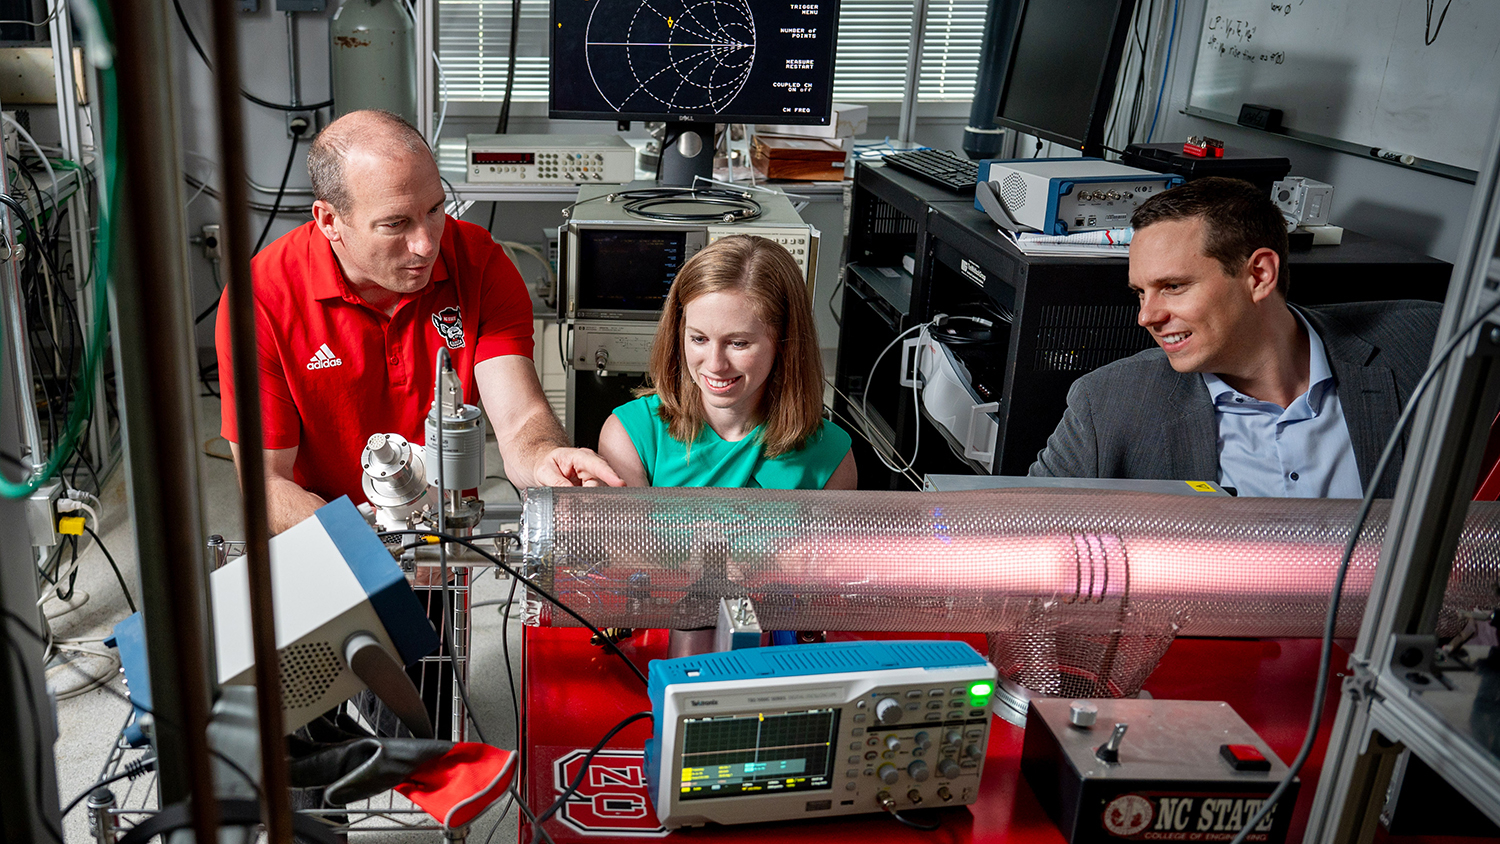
<point>153,326</point>
<point>1442,460</point>
<point>907,127</point>
<point>70,135</point>
<point>277,811</point>
<point>426,31</point>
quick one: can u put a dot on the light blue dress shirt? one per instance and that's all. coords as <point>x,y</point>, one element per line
<point>1302,451</point>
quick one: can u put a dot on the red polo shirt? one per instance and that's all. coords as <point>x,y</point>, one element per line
<point>334,369</point>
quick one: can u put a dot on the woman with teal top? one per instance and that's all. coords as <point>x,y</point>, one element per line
<point>737,382</point>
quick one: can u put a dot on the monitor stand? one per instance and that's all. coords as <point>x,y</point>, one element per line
<point>687,150</point>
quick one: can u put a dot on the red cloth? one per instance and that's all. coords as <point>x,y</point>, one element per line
<point>334,370</point>
<point>457,786</point>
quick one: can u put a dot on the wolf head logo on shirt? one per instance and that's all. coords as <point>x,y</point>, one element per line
<point>450,326</point>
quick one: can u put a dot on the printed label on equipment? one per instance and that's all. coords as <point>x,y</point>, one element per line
<point>972,271</point>
<point>1177,816</point>
<point>613,798</point>
<point>1201,486</point>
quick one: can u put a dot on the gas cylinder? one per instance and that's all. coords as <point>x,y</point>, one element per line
<point>374,57</point>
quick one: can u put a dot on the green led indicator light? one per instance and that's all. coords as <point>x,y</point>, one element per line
<point>980,689</point>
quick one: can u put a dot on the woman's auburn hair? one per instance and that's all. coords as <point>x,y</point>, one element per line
<point>767,275</point>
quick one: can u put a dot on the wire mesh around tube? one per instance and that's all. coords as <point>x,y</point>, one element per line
<point>1081,592</point>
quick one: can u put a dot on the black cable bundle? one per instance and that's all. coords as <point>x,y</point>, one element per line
<point>55,336</point>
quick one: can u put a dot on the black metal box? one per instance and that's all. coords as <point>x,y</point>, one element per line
<point>1170,784</point>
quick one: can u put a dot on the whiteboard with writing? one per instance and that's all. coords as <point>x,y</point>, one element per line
<point>1418,77</point>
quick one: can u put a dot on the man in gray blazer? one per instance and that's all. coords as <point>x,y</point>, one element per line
<point>1244,389</point>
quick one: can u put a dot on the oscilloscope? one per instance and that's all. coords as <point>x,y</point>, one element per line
<point>816,730</point>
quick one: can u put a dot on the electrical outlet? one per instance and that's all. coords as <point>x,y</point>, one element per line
<point>41,514</point>
<point>301,124</point>
<point>210,242</point>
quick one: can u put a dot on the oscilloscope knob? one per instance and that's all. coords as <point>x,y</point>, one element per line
<point>888,710</point>
<point>917,770</point>
<point>948,769</point>
<point>888,774</point>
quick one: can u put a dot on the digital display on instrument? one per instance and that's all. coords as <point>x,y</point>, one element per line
<point>757,754</point>
<point>730,61</point>
<point>503,157</point>
<point>627,269</point>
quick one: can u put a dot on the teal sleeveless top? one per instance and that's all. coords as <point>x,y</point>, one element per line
<point>714,462</point>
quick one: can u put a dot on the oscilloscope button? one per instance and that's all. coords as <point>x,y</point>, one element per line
<point>854,760</point>
<point>850,786</point>
<point>857,731</point>
<point>859,717</point>
<point>913,694</point>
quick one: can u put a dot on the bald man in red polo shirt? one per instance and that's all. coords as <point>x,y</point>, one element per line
<point>353,308</point>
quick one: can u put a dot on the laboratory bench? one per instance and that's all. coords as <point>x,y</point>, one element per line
<point>574,692</point>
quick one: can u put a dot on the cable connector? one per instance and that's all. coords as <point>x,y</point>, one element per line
<point>69,505</point>
<point>135,769</point>
<point>70,525</point>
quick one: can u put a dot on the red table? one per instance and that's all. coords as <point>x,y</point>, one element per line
<point>575,692</point>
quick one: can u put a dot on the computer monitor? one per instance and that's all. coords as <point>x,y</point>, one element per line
<point>693,65</point>
<point>1060,78</point>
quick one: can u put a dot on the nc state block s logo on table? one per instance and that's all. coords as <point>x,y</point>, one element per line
<point>613,798</point>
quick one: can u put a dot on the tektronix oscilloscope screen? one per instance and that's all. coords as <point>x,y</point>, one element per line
<point>758,754</point>
<point>729,61</point>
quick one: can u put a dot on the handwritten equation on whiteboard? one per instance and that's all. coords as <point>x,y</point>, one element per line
<point>1235,39</point>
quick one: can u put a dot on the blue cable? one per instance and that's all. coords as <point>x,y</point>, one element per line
<point>1171,36</point>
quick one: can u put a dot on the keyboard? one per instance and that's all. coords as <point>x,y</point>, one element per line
<point>937,166</point>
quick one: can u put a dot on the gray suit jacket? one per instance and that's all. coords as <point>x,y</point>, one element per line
<point>1139,418</point>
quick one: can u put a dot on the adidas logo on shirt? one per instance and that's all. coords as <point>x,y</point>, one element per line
<point>324,359</point>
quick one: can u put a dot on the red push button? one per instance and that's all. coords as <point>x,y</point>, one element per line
<point>1244,757</point>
